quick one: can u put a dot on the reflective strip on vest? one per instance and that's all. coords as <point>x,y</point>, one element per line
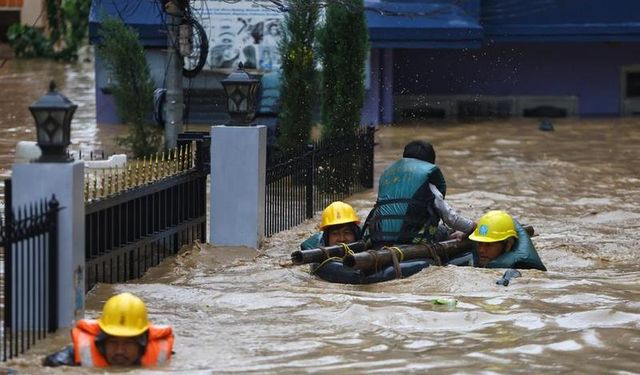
<point>162,356</point>
<point>86,357</point>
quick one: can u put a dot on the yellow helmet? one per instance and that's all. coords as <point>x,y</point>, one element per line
<point>338,213</point>
<point>124,315</point>
<point>494,226</point>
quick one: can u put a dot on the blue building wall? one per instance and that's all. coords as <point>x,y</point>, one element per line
<point>590,71</point>
<point>529,48</point>
<point>457,47</point>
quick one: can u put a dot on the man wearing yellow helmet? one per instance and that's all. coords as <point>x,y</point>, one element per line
<point>339,225</point>
<point>503,243</point>
<point>122,336</point>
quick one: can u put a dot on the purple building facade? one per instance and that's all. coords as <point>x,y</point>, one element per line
<point>534,58</point>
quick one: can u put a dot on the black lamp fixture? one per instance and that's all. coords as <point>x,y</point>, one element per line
<point>53,113</point>
<point>242,94</point>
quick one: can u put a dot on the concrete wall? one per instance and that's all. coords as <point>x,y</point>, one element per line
<point>590,71</point>
<point>30,13</point>
<point>34,181</point>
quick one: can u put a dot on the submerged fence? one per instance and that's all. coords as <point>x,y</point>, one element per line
<point>29,255</point>
<point>310,179</point>
<point>137,216</point>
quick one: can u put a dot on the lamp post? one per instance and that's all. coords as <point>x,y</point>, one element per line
<point>53,113</point>
<point>242,93</point>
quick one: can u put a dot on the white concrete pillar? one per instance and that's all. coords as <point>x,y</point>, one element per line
<point>238,166</point>
<point>35,181</point>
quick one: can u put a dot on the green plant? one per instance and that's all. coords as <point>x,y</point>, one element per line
<point>123,56</point>
<point>68,22</point>
<point>299,77</point>
<point>343,47</point>
<point>28,42</point>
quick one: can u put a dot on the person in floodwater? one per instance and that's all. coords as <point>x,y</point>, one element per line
<point>339,225</point>
<point>411,202</point>
<point>503,243</point>
<point>122,336</point>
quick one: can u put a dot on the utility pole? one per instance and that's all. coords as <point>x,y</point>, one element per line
<point>174,102</point>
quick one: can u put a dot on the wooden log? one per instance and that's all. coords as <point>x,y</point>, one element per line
<point>319,255</point>
<point>440,253</point>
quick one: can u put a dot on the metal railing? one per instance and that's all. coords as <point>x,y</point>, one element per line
<point>132,226</point>
<point>29,250</point>
<point>310,179</point>
<point>102,183</point>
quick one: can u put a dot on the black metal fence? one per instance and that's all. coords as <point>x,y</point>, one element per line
<point>29,255</point>
<point>130,232</point>
<point>322,172</point>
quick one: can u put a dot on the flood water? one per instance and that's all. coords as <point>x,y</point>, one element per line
<point>22,82</point>
<point>234,310</point>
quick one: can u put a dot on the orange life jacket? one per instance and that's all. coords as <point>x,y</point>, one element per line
<point>157,352</point>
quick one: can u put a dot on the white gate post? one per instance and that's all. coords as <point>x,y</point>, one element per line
<point>238,167</point>
<point>35,181</point>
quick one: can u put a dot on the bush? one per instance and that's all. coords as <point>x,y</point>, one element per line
<point>343,47</point>
<point>132,89</point>
<point>68,22</point>
<point>299,77</point>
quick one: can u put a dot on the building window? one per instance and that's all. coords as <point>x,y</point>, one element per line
<point>633,85</point>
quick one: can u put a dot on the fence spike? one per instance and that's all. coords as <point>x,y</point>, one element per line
<point>135,177</point>
<point>144,169</point>
<point>163,173</point>
<point>181,159</point>
<point>95,184</point>
<point>127,177</point>
<point>103,184</point>
<point>117,179</point>
<point>156,168</point>
<point>176,165</point>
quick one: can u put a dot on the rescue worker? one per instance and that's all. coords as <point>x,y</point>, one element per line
<point>339,225</point>
<point>411,202</point>
<point>503,243</point>
<point>122,336</point>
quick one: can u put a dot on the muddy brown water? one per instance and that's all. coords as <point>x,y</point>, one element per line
<point>236,311</point>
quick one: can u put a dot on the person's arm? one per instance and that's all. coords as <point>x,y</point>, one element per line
<point>449,215</point>
<point>65,357</point>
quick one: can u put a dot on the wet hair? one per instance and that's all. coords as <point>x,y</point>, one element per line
<point>353,226</point>
<point>421,150</point>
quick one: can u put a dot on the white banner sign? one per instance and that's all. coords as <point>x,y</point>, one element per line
<point>246,31</point>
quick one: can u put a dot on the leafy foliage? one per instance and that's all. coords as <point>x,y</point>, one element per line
<point>299,77</point>
<point>343,46</point>
<point>123,56</point>
<point>68,22</point>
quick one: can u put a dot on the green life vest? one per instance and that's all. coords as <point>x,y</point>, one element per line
<point>313,242</point>
<point>404,212</point>
<point>523,255</point>
<point>270,95</point>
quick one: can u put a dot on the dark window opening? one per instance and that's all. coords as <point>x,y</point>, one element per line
<point>423,113</point>
<point>544,111</point>
<point>484,109</point>
<point>633,85</point>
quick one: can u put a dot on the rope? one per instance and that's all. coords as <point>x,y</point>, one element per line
<point>347,249</point>
<point>396,253</point>
<point>434,255</point>
<point>395,249</point>
<point>314,270</point>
